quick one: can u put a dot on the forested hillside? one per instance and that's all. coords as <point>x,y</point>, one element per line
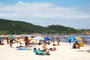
<point>19,27</point>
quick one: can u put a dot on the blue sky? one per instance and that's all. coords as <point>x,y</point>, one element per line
<point>57,2</point>
<point>71,13</point>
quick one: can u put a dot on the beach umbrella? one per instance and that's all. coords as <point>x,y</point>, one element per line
<point>70,38</point>
<point>37,39</point>
<point>80,40</point>
<point>46,38</point>
<point>29,38</point>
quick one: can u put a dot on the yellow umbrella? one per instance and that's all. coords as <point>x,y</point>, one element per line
<point>80,40</point>
<point>29,38</point>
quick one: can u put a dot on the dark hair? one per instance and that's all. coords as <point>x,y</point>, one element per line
<point>26,38</point>
<point>34,49</point>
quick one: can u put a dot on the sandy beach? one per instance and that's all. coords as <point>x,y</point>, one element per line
<point>63,52</point>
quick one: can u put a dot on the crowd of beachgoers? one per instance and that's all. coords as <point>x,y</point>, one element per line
<point>26,42</point>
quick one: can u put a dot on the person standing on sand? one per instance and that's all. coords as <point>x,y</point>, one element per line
<point>7,39</point>
<point>27,42</point>
<point>69,40</point>
<point>11,42</point>
<point>58,40</point>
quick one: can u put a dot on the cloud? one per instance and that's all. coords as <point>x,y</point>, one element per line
<point>41,10</point>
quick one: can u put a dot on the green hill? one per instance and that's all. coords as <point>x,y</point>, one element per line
<point>19,27</point>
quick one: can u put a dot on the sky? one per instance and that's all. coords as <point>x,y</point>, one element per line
<point>70,13</point>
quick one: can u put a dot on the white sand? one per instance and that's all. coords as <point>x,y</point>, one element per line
<point>63,52</point>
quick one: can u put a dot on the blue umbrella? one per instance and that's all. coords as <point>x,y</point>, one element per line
<point>70,38</point>
<point>46,38</point>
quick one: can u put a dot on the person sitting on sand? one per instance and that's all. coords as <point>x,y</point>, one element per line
<point>44,48</point>
<point>76,45</point>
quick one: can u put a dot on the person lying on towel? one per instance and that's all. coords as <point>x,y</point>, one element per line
<point>39,52</point>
